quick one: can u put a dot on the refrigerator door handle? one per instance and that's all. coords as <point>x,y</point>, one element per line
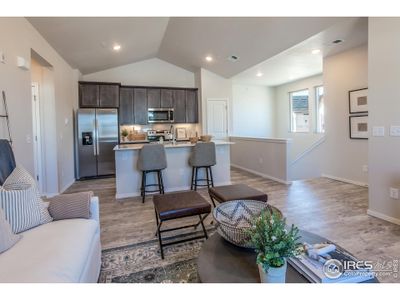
<point>97,138</point>
<point>94,146</point>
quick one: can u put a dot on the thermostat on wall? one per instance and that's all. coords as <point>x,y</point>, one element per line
<point>22,63</point>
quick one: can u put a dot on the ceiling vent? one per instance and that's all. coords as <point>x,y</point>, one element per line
<point>233,58</point>
<point>338,41</point>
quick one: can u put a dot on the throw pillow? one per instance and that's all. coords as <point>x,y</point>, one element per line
<point>20,207</point>
<point>7,237</point>
<point>70,206</point>
<point>20,179</point>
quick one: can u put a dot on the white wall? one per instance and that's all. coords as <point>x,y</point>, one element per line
<point>265,157</point>
<point>18,37</point>
<point>384,110</point>
<point>344,157</point>
<point>301,141</point>
<point>150,72</point>
<point>253,112</point>
<point>213,86</point>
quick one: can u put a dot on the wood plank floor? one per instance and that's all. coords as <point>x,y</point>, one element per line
<point>333,209</point>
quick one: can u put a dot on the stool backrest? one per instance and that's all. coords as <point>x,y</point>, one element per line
<point>152,157</point>
<point>203,155</point>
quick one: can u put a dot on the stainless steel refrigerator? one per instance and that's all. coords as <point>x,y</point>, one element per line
<point>97,135</point>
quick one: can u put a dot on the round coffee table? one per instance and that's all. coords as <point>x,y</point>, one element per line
<point>222,262</point>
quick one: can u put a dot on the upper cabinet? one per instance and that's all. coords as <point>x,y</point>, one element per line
<point>192,112</point>
<point>179,101</point>
<point>101,95</point>
<point>140,105</point>
<point>88,95</point>
<point>154,98</point>
<point>126,116</point>
<point>166,98</point>
<point>109,95</point>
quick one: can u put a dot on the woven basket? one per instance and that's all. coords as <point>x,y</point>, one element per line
<point>234,218</point>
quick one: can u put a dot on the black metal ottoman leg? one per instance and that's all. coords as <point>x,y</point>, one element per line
<point>191,182</point>
<point>204,228</point>
<point>160,240</point>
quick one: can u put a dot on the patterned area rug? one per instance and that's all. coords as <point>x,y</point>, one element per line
<point>142,263</point>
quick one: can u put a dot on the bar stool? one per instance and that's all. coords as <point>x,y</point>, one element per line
<point>152,159</point>
<point>202,156</point>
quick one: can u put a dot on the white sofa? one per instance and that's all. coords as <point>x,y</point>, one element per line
<point>59,251</point>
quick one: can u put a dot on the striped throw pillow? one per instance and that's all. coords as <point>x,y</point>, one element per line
<point>20,179</point>
<point>20,207</point>
<point>7,237</point>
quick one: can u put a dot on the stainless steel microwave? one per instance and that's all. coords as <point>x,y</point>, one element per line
<point>160,115</point>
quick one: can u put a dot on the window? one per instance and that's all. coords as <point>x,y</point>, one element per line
<point>299,111</point>
<point>320,109</point>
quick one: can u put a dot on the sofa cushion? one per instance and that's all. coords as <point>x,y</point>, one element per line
<point>20,207</point>
<point>53,252</point>
<point>20,179</point>
<point>70,206</point>
<point>7,237</point>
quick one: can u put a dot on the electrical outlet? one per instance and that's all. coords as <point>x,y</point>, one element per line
<point>2,58</point>
<point>394,193</point>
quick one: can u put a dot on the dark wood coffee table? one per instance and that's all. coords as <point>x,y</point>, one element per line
<point>222,262</point>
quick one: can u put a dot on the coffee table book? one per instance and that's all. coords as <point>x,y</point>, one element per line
<point>313,269</point>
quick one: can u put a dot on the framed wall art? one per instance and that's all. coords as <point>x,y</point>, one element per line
<point>358,127</point>
<point>358,101</point>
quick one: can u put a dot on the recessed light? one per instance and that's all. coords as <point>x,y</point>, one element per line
<point>316,51</point>
<point>259,74</point>
<point>209,58</point>
<point>116,47</point>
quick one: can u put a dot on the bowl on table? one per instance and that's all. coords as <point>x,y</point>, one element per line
<point>234,218</point>
<point>206,138</point>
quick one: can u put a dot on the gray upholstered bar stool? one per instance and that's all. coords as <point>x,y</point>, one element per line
<point>202,156</point>
<point>152,159</point>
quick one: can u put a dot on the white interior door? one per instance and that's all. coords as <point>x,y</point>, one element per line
<point>37,136</point>
<point>217,118</point>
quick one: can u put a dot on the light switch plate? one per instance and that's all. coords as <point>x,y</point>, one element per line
<point>394,130</point>
<point>394,193</point>
<point>378,131</point>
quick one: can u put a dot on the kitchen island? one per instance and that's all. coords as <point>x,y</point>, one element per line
<point>176,176</point>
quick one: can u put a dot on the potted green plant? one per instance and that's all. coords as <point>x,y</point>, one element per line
<point>274,243</point>
<point>124,134</point>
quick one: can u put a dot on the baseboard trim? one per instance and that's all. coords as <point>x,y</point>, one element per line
<point>363,184</point>
<point>379,215</point>
<point>67,186</point>
<point>176,189</point>
<point>261,174</point>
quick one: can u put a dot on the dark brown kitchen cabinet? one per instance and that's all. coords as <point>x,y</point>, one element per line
<point>108,95</point>
<point>101,95</point>
<point>191,106</point>
<point>179,101</point>
<point>126,116</point>
<point>140,105</point>
<point>166,98</point>
<point>154,98</point>
<point>88,95</point>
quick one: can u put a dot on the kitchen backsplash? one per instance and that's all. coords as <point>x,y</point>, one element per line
<point>138,132</point>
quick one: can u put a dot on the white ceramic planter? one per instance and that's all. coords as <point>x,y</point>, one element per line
<point>274,275</point>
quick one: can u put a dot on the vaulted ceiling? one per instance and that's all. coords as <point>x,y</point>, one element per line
<point>86,42</point>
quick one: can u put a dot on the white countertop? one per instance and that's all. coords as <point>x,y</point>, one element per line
<point>166,145</point>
